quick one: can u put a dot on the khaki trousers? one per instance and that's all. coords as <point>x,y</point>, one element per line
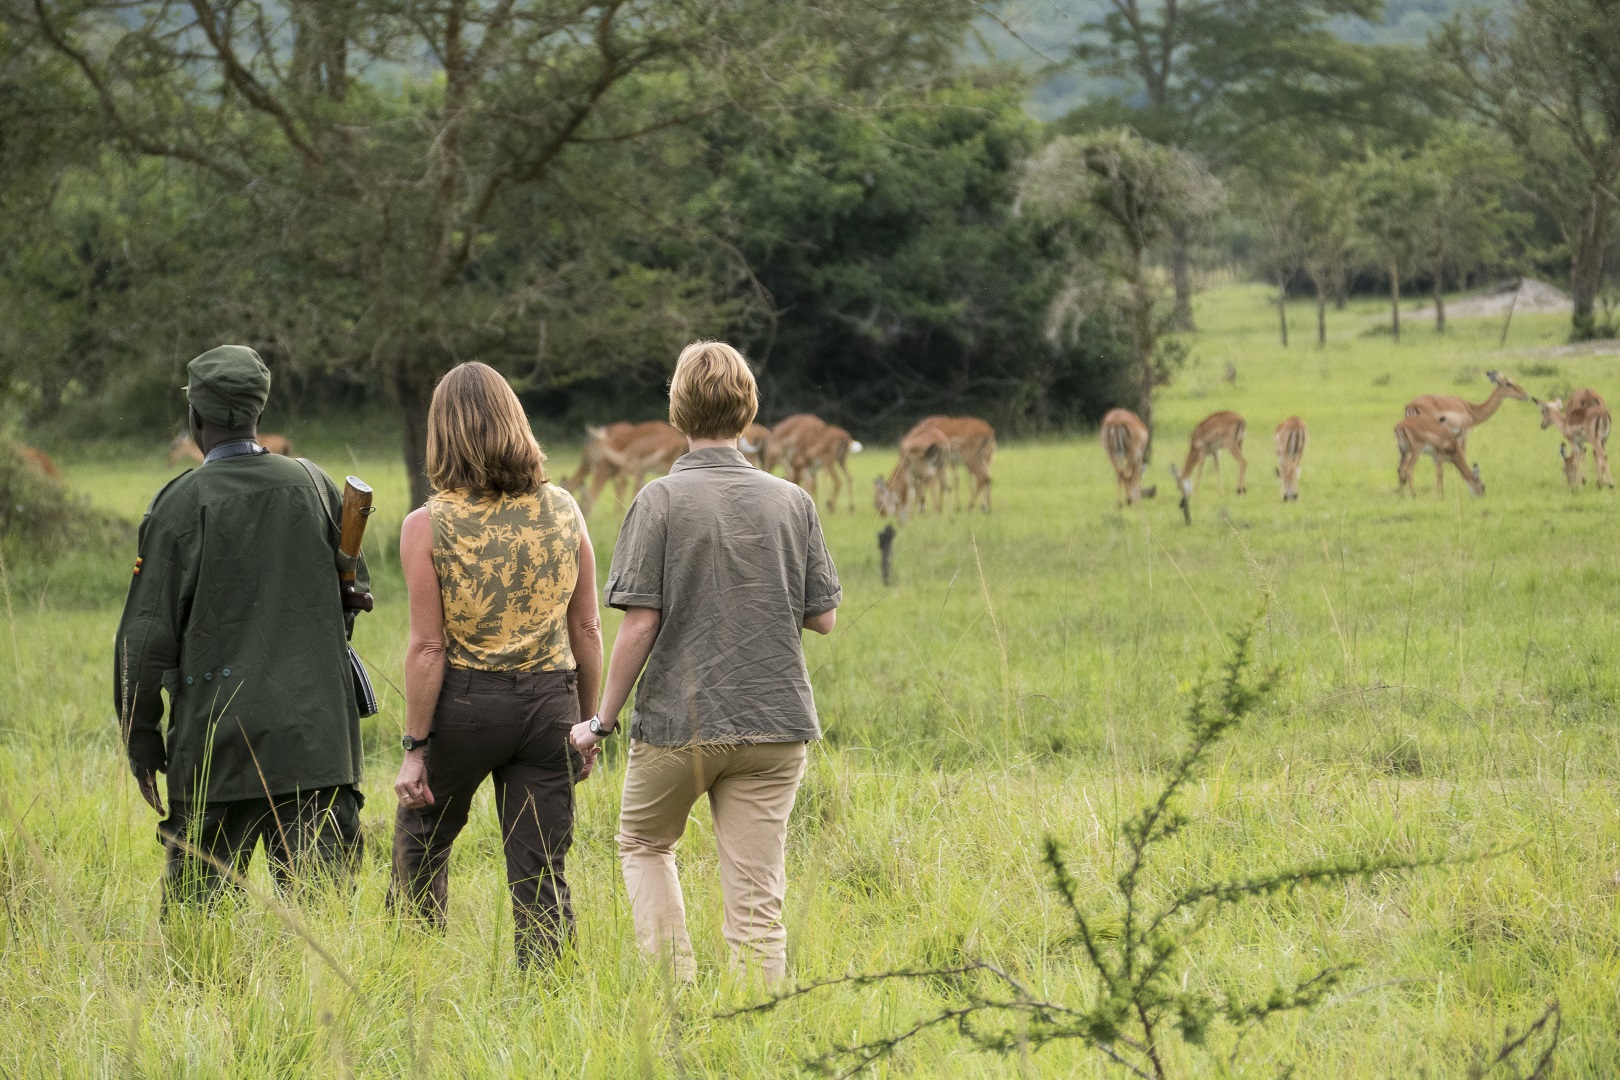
<point>751,791</point>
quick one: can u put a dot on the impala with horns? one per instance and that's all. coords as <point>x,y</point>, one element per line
<point>1419,435</point>
<point>1290,438</point>
<point>1464,416</point>
<point>1583,422</point>
<point>921,469</point>
<point>1218,431</point>
<point>1125,441</point>
<point>829,449</point>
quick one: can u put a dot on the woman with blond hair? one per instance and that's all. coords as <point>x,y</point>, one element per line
<point>719,567</point>
<point>505,655</point>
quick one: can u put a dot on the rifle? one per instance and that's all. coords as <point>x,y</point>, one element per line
<point>356,509</point>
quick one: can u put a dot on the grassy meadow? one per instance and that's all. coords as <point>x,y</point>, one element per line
<point>1449,668</point>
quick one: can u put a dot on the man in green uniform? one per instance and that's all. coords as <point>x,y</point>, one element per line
<point>235,612</point>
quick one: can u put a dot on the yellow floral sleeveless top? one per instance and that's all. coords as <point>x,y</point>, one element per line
<point>507,568</point>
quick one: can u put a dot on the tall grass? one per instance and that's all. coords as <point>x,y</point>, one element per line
<point>1448,673</point>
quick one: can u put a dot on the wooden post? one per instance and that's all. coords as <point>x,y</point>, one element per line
<point>886,549</point>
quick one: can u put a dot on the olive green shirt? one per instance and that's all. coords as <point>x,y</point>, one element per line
<point>234,612</point>
<point>734,559</point>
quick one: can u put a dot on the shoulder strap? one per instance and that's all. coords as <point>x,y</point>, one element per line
<point>320,490</point>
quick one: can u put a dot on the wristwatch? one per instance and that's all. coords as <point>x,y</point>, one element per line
<point>410,743</point>
<point>595,728</point>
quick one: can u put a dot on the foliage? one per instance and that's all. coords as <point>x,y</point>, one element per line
<point>1548,79</point>
<point>1117,199</point>
<point>1138,956</point>
<point>902,282</point>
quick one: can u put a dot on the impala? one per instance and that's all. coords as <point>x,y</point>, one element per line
<point>783,444</point>
<point>923,456</point>
<point>1125,441</point>
<point>1584,422</point>
<point>276,444</point>
<point>1290,438</point>
<point>596,471</point>
<point>182,448</point>
<point>829,448</point>
<point>970,444</point>
<point>1462,416</point>
<point>1419,435</point>
<point>1218,431</point>
<point>651,447</point>
<point>754,443</point>
<point>40,460</point>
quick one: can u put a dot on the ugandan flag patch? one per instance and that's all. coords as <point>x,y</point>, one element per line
<point>138,562</point>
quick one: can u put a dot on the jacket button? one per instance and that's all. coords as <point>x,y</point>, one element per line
<point>208,676</point>
<point>189,680</point>
<point>225,674</point>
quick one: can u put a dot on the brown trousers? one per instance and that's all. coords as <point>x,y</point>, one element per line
<point>512,726</point>
<point>751,791</point>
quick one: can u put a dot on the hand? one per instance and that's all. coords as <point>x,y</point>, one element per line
<point>411,784</point>
<point>587,763</point>
<point>580,735</point>
<point>148,783</point>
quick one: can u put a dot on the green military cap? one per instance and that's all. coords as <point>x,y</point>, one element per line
<point>228,385</point>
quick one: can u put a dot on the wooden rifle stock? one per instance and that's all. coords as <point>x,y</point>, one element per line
<point>351,535</point>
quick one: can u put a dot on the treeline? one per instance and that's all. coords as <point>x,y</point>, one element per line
<point>369,191</point>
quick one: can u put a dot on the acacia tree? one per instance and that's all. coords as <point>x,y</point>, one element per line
<point>1548,78</point>
<point>391,150</point>
<point>1120,198</point>
<point>1386,220</point>
<point>1211,76</point>
<point>1327,218</point>
<point>1459,220</point>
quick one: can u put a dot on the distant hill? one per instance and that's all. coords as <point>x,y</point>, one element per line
<point>1037,29</point>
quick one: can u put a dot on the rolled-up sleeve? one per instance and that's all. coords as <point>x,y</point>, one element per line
<point>822,592</point>
<point>636,575</point>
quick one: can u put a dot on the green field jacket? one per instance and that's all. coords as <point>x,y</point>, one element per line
<point>234,613</point>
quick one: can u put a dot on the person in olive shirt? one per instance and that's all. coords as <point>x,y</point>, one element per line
<point>235,612</point>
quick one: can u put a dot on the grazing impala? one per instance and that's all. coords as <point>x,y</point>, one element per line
<point>40,460</point>
<point>1218,431</point>
<point>971,444</point>
<point>783,444</point>
<point>1584,422</point>
<point>829,448</point>
<point>651,448</point>
<point>182,448</point>
<point>1462,416</point>
<point>923,455</point>
<point>753,444</point>
<point>1419,435</point>
<point>276,444</point>
<point>595,470</point>
<point>1290,439</point>
<point>1125,440</point>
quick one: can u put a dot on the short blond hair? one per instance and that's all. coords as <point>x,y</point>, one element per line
<point>712,394</point>
<point>478,436</point>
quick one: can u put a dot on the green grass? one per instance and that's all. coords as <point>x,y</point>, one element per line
<point>1449,670</point>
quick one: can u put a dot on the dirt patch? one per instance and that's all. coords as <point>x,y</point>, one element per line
<point>1534,297</point>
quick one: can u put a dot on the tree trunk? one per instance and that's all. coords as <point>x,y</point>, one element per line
<point>413,409</point>
<point>1321,315</point>
<point>1439,300</point>
<point>1395,298</point>
<point>1282,307</point>
<point>1181,317</point>
<point>1142,344</point>
<point>1586,265</point>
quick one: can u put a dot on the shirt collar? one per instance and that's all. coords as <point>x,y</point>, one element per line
<point>711,457</point>
<point>234,448</point>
